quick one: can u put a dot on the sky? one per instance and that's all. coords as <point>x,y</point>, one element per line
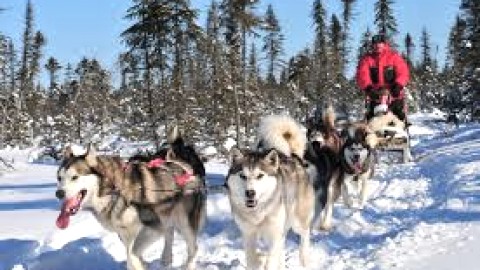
<point>92,28</point>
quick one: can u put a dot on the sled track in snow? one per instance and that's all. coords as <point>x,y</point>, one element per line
<point>452,148</point>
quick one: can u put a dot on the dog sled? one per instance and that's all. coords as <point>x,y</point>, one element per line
<point>393,144</point>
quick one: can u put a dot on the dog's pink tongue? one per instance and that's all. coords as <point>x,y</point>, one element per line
<point>64,218</point>
<point>358,166</point>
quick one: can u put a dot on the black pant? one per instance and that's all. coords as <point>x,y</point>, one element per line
<point>396,107</point>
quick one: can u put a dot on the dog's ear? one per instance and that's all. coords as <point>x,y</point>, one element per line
<point>173,134</point>
<point>344,134</point>
<point>272,158</point>
<point>170,155</point>
<point>67,152</point>
<point>235,155</point>
<point>91,156</point>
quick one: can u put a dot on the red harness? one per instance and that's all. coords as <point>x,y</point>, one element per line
<point>180,180</point>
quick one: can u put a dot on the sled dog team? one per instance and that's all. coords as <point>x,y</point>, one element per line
<point>285,181</point>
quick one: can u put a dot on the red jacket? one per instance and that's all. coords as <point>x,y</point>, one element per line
<point>376,70</point>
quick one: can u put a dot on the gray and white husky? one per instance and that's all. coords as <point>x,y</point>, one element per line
<point>139,201</point>
<point>270,192</point>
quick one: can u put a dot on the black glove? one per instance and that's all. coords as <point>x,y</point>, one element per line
<point>396,90</point>
<point>369,92</point>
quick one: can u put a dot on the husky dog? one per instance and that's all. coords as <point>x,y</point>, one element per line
<point>357,162</point>
<point>323,151</point>
<point>270,192</point>
<point>183,151</point>
<point>324,131</point>
<point>138,201</point>
<point>388,120</point>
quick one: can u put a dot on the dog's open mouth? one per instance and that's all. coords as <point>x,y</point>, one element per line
<point>251,203</point>
<point>69,208</point>
<point>357,166</point>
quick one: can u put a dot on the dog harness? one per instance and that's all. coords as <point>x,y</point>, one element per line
<point>181,180</point>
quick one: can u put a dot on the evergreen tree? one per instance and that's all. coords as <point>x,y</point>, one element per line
<point>185,33</point>
<point>409,47</point>
<point>38,43</point>
<point>335,57</point>
<point>384,18</point>
<point>429,86</point>
<point>365,44</point>
<point>26,82</point>
<point>471,15</point>
<point>91,100</point>
<point>347,16</point>
<point>52,67</point>
<point>272,44</point>
<point>147,42</point>
<point>239,19</point>
<point>219,99</point>
<point>320,63</point>
<point>3,64</point>
<point>426,50</point>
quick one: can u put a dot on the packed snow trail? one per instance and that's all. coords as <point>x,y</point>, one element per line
<point>420,215</point>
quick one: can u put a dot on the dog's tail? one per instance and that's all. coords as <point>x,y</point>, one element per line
<point>282,133</point>
<point>329,116</point>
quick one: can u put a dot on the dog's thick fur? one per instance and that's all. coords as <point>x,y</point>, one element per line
<point>137,202</point>
<point>182,150</point>
<point>270,192</point>
<point>324,130</point>
<point>326,181</point>
<point>339,174</point>
<point>379,122</point>
<point>357,161</point>
<point>323,151</point>
<point>282,133</point>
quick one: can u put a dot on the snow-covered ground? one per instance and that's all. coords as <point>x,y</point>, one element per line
<point>421,215</point>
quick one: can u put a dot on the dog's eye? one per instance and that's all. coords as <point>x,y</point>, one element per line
<point>242,176</point>
<point>75,177</point>
<point>260,176</point>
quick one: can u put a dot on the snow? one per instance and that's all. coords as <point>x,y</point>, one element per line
<point>420,215</point>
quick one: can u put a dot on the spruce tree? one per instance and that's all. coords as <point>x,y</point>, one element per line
<point>409,47</point>
<point>471,14</point>
<point>26,82</point>
<point>239,19</point>
<point>220,99</point>
<point>429,86</point>
<point>142,37</point>
<point>365,43</point>
<point>272,44</point>
<point>455,66</point>
<point>320,62</point>
<point>52,67</point>
<point>347,16</point>
<point>385,19</point>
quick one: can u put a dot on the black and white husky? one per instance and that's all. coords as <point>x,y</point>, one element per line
<point>345,174</point>
<point>270,192</point>
<point>357,160</point>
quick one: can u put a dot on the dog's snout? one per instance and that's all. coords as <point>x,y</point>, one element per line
<point>250,193</point>
<point>60,194</point>
<point>356,157</point>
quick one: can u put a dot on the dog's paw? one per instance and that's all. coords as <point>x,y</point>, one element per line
<point>325,227</point>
